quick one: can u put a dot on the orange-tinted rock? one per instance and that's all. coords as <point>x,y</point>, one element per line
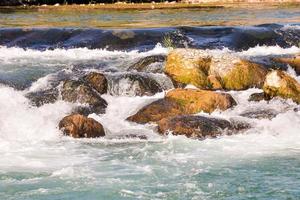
<point>279,83</point>
<point>97,81</point>
<point>79,126</point>
<point>183,101</point>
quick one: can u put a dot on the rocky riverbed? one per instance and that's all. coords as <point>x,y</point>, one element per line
<point>210,112</point>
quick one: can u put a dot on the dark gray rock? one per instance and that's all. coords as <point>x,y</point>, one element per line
<point>152,63</point>
<point>260,114</point>
<point>259,97</point>
<point>134,85</point>
<point>199,126</point>
<point>40,98</point>
<point>77,91</point>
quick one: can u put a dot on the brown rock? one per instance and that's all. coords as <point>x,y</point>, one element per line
<point>197,126</point>
<point>259,97</point>
<point>194,101</point>
<point>183,101</point>
<point>96,81</point>
<point>77,91</point>
<point>279,83</point>
<point>79,126</point>
<point>156,111</point>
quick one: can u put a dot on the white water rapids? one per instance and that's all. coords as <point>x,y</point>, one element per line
<point>37,162</point>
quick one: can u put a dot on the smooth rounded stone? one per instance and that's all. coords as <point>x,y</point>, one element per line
<point>156,111</point>
<point>209,71</point>
<point>279,83</point>
<point>97,81</point>
<point>294,62</point>
<point>40,98</point>
<point>260,114</point>
<point>259,97</point>
<point>183,101</point>
<point>199,127</point>
<point>77,92</point>
<point>79,126</point>
<point>149,64</point>
<point>195,100</point>
<point>133,85</point>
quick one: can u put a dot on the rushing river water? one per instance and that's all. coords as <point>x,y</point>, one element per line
<point>37,162</point>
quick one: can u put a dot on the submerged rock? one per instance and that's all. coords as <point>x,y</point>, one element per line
<point>134,85</point>
<point>279,83</point>
<point>40,98</point>
<point>197,126</point>
<point>79,126</point>
<point>183,101</point>
<point>294,62</point>
<point>76,91</point>
<point>146,64</point>
<point>260,114</point>
<point>97,81</point>
<point>205,71</point>
<point>259,97</point>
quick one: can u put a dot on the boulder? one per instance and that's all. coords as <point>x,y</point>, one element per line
<point>294,62</point>
<point>205,71</point>
<point>199,127</point>
<point>134,85</point>
<point>188,66</point>
<point>79,126</point>
<point>279,83</point>
<point>40,98</point>
<point>183,101</point>
<point>77,91</point>
<point>148,64</point>
<point>259,97</point>
<point>194,100</point>
<point>96,81</point>
<point>156,111</point>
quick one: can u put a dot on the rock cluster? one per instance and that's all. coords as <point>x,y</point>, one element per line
<point>177,111</point>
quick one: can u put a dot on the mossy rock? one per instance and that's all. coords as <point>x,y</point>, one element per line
<point>294,62</point>
<point>188,66</point>
<point>243,75</point>
<point>279,83</point>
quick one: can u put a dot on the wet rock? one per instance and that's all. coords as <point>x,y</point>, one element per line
<point>205,71</point>
<point>259,97</point>
<point>183,101</point>
<point>194,100</point>
<point>188,66</point>
<point>76,91</point>
<point>279,83</point>
<point>40,98</point>
<point>97,81</point>
<point>130,136</point>
<point>197,126</point>
<point>294,62</point>
<point>156,111</point>
<point>134,85</point>
<point>260,114</point>
<point>79,126</point>
<point>146,64</point>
